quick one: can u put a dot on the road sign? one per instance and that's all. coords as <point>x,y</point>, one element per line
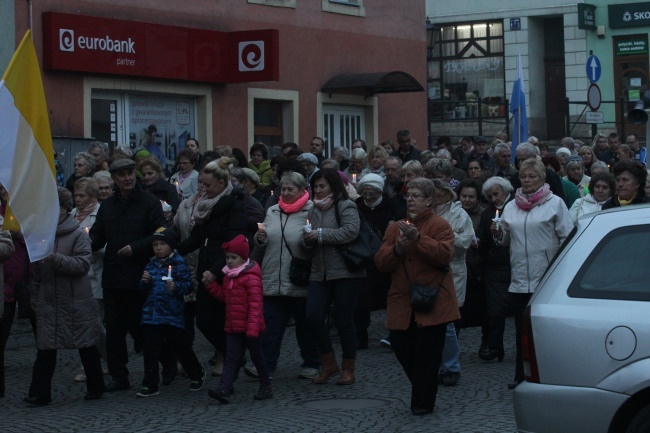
<point>594,117</point>
<point>593,69</point>
<point>594,96</point>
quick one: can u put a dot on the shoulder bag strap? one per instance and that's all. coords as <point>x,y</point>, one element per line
<point>282,230</point>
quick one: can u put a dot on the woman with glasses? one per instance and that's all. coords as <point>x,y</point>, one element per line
<point>186,179</point>
<point>419,250</point>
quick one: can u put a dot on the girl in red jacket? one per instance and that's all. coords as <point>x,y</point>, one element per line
<point>241,291</point>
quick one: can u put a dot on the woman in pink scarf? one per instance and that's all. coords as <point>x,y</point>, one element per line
<point>534,224</point>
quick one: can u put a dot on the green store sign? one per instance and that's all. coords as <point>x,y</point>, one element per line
<point>629,15</point>
<point>632,45</point>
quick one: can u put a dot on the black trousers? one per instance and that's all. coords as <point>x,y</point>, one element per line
<point>519,303</point>
<point>6,322</point>
<point>419,351</point>
<point>155,337</point>
<point>211,318</point>
<point>41,386</point>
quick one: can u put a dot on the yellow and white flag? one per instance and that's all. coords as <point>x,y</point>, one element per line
<point>26,154</point>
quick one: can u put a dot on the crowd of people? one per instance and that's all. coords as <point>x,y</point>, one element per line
<point>240,249</point>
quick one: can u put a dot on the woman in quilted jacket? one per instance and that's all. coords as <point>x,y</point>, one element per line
<point>241,291</point>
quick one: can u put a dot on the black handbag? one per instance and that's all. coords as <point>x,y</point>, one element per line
<point>300,269</point>
<point>359,253</point>
<point>422,297</point>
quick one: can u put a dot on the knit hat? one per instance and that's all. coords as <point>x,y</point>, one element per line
<point>308,157</point>
<point>563,150</point>
<point>238,245</point>
<point>575,159</point>
<point>166,234</point>
<point>250,174</point>
<point>371,179</point>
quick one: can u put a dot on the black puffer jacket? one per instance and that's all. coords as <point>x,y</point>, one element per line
<point>120,223</point>
<point>227,220</point>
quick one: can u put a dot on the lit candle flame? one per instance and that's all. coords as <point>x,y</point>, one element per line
<point>354,178</point>
<point>497,213</point>
<point>169,271</point>
<point>307,220</point>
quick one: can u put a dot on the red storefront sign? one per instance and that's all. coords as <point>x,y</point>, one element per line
<point>116,47</point>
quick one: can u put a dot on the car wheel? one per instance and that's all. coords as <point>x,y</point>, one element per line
<point>641,422</point>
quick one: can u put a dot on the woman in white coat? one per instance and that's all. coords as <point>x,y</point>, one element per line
<point>601,187</point>
<point>446,206</point>
<point>534,224</point>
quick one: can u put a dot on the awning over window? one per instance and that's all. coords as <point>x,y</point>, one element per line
<point>368,84</point>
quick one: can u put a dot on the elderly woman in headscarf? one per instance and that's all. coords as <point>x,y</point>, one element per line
<point>575,173</point>
<point>249,181</point>
<point>84,165</point>
<point>418,250</point>
<point>374,206</point>
<point>446,207</point>
<point>66,313</point>
<point>495,265</point>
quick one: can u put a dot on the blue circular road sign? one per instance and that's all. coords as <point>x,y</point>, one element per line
<point>593,69</point>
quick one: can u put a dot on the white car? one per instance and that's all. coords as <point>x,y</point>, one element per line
<point>587,331</point>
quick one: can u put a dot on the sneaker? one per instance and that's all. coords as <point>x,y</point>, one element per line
<point>197,384</point>
<point>221,394</point>
<point>385,342</point>
<point>308,373</point>
<point>145,392</point>
<point>264,392</point>
<point>251,372</point>
<point>116,385</point>
<point>81,377</point>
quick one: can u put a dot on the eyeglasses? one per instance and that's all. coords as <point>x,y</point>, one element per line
<point>413,196</point>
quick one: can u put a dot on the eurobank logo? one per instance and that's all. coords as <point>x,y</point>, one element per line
<point>251,56</point>
<point>68,43</point>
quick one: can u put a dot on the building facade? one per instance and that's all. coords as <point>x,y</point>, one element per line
<point>227,72</point>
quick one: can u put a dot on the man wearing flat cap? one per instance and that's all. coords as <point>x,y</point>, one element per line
<point>125,223</point>
<point>481,153</point>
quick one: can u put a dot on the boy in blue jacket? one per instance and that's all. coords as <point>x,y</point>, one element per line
<point>166,278</point>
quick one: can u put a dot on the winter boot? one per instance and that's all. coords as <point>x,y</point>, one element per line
<point>329,368</point>
<point>347,377</point>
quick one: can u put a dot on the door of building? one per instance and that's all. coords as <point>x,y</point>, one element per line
<point>556,107</point>
<point>630,80</point>
<point>342,124</point>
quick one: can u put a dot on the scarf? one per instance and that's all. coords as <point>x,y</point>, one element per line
<point>375,204</point>
<point>529,201</point>
<point>294,207</point>
<point>83,213</point>
<point>504,204</point>
<point>625,202</point>
<point>204,206</point>
<point>234,272</point>
<point>325,203</point>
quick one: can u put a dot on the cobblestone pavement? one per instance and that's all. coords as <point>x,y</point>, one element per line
<point>377,402</point>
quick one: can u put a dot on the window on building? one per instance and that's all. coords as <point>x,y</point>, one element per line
<point>342,124</point>
<point>465,62</point>
<point>346,7</point>
<point>268,122</point>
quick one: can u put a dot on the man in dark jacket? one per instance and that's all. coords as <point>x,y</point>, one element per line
<point>125,223</point>
<point>406,151</point>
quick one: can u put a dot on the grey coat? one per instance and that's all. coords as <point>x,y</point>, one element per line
<point>62,297</point>
<point>327,263</point>
<point>277,259</point>
<point>6,250</point>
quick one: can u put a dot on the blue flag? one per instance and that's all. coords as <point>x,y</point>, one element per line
<point>518,110</point>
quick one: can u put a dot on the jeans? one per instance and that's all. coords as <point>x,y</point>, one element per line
<point>451,353</point>
<point>236,347</point>
<point>277,312</point>
<point>342,295</point>
<point>418,350</point>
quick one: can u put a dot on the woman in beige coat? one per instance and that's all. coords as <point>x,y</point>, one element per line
<point>419,250</point>
<point>66,312</point>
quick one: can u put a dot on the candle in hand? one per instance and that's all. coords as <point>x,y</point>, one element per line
<point>261,226</point>
<point>169,271</point>
<point>354,178</point>
<point>307,227</point>
<point>497,216</point>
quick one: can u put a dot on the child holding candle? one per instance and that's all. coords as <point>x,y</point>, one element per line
<point>241,290</point>
<point>167,279</point>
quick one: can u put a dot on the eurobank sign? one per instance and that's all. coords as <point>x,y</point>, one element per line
<point>629,15</point>
<point>116,47</point>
